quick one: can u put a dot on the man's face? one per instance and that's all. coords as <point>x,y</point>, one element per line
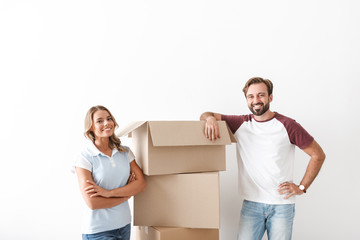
<point>258,99</point>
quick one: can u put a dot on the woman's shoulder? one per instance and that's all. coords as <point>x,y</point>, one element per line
<point>126,148</point>
<point>128,153</point>
<point>89,150</point>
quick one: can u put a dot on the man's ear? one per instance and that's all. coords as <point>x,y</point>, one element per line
<point>270,98</point>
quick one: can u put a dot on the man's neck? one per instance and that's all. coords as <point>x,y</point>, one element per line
<point>264,117</point>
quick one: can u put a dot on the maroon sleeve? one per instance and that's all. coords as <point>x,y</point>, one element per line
<point>233,121</point>
<point>297,134</point>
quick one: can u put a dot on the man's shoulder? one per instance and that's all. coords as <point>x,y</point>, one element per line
<point>235,121</point>
<point>297,134</point>
<point>284,119</point>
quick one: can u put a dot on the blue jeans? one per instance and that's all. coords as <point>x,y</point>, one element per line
<point>116,234</point>
<point>276,219</point>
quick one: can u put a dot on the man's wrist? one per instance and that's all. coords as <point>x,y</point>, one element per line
<point>211,116</point>
<point>302,188</point>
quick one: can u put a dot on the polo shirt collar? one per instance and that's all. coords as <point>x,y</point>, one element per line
<point>94,151</point>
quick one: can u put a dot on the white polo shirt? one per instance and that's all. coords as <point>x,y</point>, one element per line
<point>109,173</point>
<point>265,153</point>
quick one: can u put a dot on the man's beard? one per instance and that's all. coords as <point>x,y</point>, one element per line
<point>260,111</point>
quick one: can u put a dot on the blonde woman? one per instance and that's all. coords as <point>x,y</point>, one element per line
<point>108,176</point>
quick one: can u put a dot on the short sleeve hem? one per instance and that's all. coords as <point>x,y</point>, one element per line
<point>82,162</point>
<point>131,156</point>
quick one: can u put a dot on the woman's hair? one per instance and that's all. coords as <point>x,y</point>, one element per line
<point>114,141</point>
<point>254,80</point>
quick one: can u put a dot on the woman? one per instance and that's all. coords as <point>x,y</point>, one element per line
<point>103,172</point>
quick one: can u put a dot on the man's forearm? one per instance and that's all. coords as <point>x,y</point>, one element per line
<point>312,170</point>
<point>317,158</point>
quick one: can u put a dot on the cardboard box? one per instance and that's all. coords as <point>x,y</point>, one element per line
<point>167,147</point>
<point>168,233</point>
<point>179,200</point>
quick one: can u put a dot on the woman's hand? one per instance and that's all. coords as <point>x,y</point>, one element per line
<point>132,177</point>
<point>94,190</point>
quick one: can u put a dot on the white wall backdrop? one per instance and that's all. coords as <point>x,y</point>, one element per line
<point>172,60</point>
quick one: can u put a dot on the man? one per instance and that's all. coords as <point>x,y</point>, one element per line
<point>265,150</point>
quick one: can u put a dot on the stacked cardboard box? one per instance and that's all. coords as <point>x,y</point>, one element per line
<point>181,169</point>
<point>172,233</point>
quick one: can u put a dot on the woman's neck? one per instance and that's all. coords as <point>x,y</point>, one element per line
<point>103,145</point>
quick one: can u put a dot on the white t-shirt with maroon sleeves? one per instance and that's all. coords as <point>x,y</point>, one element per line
<point>265,153</point>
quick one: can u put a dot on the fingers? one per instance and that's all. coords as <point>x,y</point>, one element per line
<point>289,190</point>
<point>212,128</point>
<point>91,182</point>
<point>213,137</point>
<point>209,132</point>
<point>206,131</point>
<point>217,132</point>
<point>90,189</point>
<point>91,186</point>
<point>212,132</point>
<point>289,195</point>
<point>132,177</point>
<point>93,191</point>
<point>94,195</point>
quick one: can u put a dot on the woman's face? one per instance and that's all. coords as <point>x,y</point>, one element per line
<point>102,124</point>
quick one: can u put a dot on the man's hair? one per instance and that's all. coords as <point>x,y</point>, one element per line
<point>255,80</point>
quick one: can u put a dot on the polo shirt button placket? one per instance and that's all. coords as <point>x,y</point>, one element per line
<point>112,162</point>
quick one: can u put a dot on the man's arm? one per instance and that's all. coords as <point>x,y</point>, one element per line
<point>317,158</point>
<point>211,127</point>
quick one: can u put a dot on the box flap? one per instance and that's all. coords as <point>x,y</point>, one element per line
<point>129,128</point>
<point>185,133</point>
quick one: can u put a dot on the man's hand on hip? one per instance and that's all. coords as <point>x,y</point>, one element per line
<point>290,189</point>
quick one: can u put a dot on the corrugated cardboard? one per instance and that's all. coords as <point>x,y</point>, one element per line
<point>179,200</point>
<point>167,147</point>
<point>169,233</point>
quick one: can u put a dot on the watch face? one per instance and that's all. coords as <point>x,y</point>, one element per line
<point>301,187</point>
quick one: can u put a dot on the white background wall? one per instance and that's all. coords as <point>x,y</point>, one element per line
<point>172,60</point>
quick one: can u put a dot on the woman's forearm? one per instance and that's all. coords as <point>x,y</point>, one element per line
<point>102,202</point>
<point>129,190</point>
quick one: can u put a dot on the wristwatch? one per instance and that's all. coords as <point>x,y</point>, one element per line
<point>302,188</point>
